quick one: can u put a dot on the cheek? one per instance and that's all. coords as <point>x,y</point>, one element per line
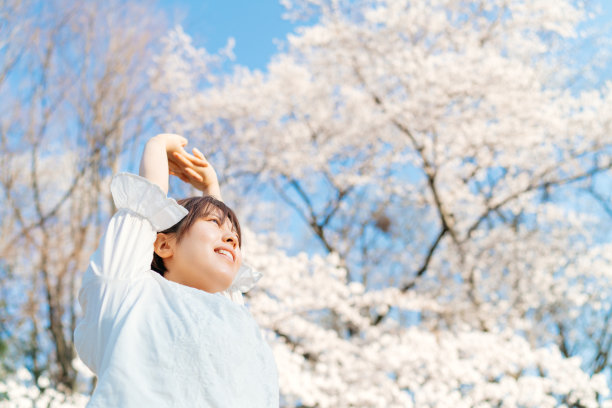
<point>193,249</point>
<point>239,259</point>
<point>200,238</point>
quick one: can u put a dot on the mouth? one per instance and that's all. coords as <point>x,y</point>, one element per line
<point>226,253</point>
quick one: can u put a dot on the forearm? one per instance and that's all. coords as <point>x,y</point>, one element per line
<point>154,163</point>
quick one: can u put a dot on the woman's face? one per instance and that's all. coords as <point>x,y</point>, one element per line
<point>207,257</point>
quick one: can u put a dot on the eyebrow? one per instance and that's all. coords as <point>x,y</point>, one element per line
<point>219,215</point>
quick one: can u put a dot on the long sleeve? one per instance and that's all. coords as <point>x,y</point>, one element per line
<point>124,255</point>
<point>245,280</point>
<point>126,249</point>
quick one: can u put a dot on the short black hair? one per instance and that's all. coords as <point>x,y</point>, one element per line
<point>198,207</point>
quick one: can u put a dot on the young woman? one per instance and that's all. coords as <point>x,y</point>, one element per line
<point>164,324</point>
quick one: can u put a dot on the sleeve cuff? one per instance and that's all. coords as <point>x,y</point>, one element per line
<point>245,279</point>
<point>139,195</point>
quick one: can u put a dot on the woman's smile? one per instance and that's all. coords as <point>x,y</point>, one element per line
<point>226,253</point>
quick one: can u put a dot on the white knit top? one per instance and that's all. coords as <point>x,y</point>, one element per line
<point>156,343</point>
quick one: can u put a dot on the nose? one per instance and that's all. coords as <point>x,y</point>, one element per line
<point>231,238</point>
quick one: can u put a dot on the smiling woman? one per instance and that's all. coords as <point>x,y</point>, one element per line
<point>172,332</point>
<point>210,229</point>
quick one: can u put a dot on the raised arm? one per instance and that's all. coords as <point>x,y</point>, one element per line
<point>165,154</point>
<point>154,165</point>
<point>197,171</point>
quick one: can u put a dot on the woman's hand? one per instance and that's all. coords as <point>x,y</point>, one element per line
<point>165,154</point>
<point>195,170</point>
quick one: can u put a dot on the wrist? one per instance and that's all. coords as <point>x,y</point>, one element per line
<point>213,190</point>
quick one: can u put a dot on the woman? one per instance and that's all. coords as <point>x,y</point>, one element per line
<point>164,324</point>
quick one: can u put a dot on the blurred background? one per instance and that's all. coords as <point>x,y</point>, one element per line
<point>425,186</point>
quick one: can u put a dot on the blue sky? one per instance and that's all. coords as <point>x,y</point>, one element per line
<point>254,24</point>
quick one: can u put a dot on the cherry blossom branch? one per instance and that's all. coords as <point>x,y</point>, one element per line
<point>532,187</point>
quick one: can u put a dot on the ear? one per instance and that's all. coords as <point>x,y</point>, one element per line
<point>164,245</point>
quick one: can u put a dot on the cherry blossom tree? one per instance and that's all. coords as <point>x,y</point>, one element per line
<point>445,186</point>
<point>425,187</point>
<point>73,92</point>
<point>21,390</point>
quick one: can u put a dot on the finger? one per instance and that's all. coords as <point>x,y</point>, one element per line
<point>179,175</point>
<point>192,173</point>
<point>181,150</point>
<point>190,160</point>
<point>200,157</point>
<point>198,153</point>
<point>182,159</point>
<point>200,161</point>
<point>174,168</point>
<point>182,177</point>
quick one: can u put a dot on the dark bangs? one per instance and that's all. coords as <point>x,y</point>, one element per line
<point>198,207</point>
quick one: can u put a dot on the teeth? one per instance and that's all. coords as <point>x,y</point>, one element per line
<point>226,253</point>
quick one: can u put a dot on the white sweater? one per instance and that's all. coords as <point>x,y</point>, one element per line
<point>157,343</point>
